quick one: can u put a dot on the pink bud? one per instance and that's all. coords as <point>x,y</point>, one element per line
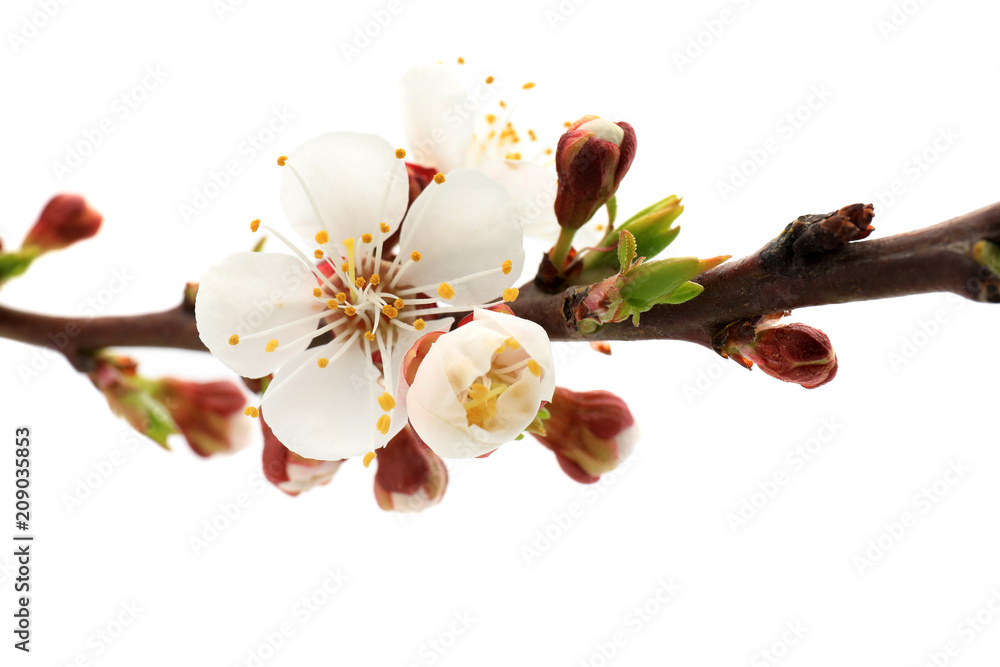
<point>420,178</point>
<point>65,220</point>
<point>791,352</point>
<point>410,477</point>
<point>208,414</point>
<point>590,432</point>
<point>592,157</point>
<point>290,472</point>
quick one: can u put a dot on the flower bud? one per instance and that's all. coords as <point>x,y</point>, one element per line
<point>208,414</point>
<point>410,477</point>
<point>65,220</point>
<point>420,178</point>
<point>128,396</point>
<point>651,228</point>
<point>590,432</point>
<point>290,472</point>
<point>790,352</point>
<point>592,157</point>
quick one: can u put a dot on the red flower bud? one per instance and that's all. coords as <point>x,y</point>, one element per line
<point>592,157</point>
<point>65,220</point>
<point>208,414</point>
<point>590,432</point>
<point>410,477</point>
<point>290,472</point>
<point>791,352</point>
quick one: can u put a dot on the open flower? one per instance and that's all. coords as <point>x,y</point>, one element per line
<point>481,385</point>
<point>346,194</point>
<point>440,121</point>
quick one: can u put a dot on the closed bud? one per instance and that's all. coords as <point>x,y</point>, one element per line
<point>592,157</point>
<point>208,414</point>
<point>129,396</point>
<point>590,432</point>
<point>410,477</point>
<point>789,352</point>
<point>65,220</point>
<point>290,472</point>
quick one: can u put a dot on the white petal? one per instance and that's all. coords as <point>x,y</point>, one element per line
<point>436,117</point>
<point>352,182</point>
<point>533,339</point>
<point>250,292</point>
<point>463,226</point>
<point>532,188</point>
<point>326,413</point>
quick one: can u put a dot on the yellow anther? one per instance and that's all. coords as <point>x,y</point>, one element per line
<point>446,291</point>
<point>322,362</point>
<point>531,133</point>
<point>375,279</point>
<point>461,60</point>
<point>370,335</point>
<point>344,267</point>
<point>535,368</point>
<point>415,256</point>
<point>506,266</point>
<point>510,294</point>
<point>341,297</point>
<point>500,350</point>
<point>350,311</point>
<point>491,118</point>
<point>281,160</point>
<point>479,392</point>
<point>322,237</point>
<point>317,292</point>
<point>383,426</point>
<point>272,345</point>
<point>254,224</point>
<point>332,303</point>
<point>251,411</point>
<point>489,79</point>
<point>384,227</point>
<point>400,153</point>
<point>566,123</point>
<point>529,85</point>
<point>548,151</point>
<point>389,311</point>
<point>369,457</point>
<point>366,238</point>
<point>386,401</point>
<point>513,156</point>
<point>419,324</point>
<point>503,105</point>
<point>318,254</point>
<point>439,178</point>
<point>399,304</point>
<point>512,343</point>
<point>234,339</point>
<point>359,282</point>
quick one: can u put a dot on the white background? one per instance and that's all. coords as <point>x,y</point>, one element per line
<point>714,434</point>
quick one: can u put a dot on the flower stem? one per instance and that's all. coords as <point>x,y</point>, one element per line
<point>560,251</point>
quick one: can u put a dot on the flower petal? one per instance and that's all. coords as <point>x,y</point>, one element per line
<point>327,413</point>
<point>250,292</point>
<point>349,184</point>
<point>533,339</point>
<point>436,117</point>
<point>463,226</point>
<point>532,188</point>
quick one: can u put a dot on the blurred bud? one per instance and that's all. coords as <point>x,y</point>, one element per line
<point>651,228</point>
<point>410,477</point>
<point>129,397</point>
<point>290,472</point>
<point>590,432</point>
<point>420,178</point>
<point>208,414</point>
<point>592,157</point>
<point>65,220</point>
<point>790,352</point>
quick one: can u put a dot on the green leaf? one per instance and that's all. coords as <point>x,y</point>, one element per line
<point>685,292</point>
<point>626,250</point>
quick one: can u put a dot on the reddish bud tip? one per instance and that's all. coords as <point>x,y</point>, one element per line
<point>208,414</point>
<point>791,352</point>
<point>410,477</point>
<point>65,220</point>
<point>290,472</point>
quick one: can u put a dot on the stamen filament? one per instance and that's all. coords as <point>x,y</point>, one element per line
<point>274,329</point>
<point>271,389</point>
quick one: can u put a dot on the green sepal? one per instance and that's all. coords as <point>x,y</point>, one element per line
<point>13,264</point>
<point>685,292</point>
<point>612,210</point>
<point>987,253</point>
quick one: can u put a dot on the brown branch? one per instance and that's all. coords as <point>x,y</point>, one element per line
<point>811,263</point>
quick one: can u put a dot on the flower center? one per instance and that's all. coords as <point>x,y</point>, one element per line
<point>508,364</point>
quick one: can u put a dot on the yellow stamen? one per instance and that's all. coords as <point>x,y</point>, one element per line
<point>375,279</point>
<point>322,237</point>
<point>318,254</point>
<point>384,227</point>
<point>272,345</point>
<point>503,105</point>
<point>389,311</point>
<point>461,60</point>
<point>359,282</point>
<point>399,304</point>
<point>506,266</point>
<point>512,343</point>
<point>366,238</point>
<point>529,85</point>
<point>344,267</point>
<point>350,311</point>
<point>349,245</point>
<point>400,153</point>
<point>416,256</point>
<point>419,324</point>
<point>254,224</point>
<point>548,151</point>
<point>369,457</point>
<point>535,368</point>
<point>439,178</point>
<point>281,160</point>
<point>479,392</point>
<point>382,425</point>
<point>489,79</point>
<point>251,411</point>
<point>332,303</point>
<point>317,292</point>
<point>513,156</point>
<point>510,294</point>
<point>234,339</point>
<point>490,118</point>
<point>386,401</point>
<point>322,362</point>
<point>341,297</point>
<point>446,291</point>
<point>370,335</point>
<point>531,133</point>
